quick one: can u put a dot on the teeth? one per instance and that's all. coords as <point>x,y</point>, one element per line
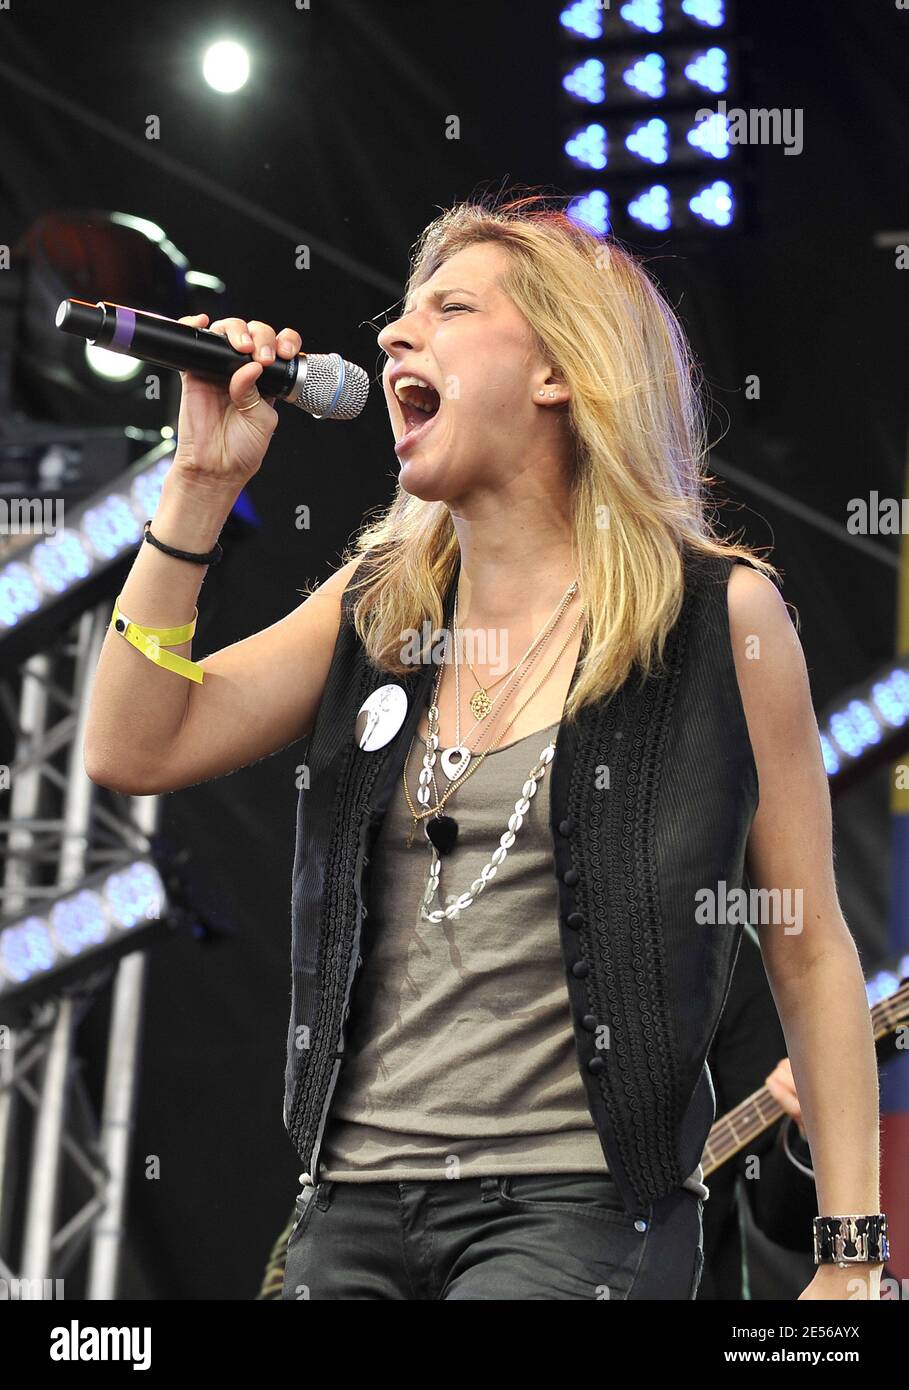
<point>408,389</point>
<point>410,381</point>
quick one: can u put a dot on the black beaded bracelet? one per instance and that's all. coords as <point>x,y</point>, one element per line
<point>211,558</point>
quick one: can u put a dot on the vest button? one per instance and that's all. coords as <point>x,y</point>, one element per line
<point>570,876</point>
<point>580,969</point>
<point>596,1064</point>
<point>589,1021</point>
<point>574,919</point>
<point>566,827</point>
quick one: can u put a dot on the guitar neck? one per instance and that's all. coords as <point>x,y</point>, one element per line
<point>755,1114</point>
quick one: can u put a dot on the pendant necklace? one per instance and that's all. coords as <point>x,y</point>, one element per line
<point>516,820</point>
<point>442,830</point>
<point>456,759</point>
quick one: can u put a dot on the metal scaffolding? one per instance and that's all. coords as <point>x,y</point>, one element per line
<point>59,829</point>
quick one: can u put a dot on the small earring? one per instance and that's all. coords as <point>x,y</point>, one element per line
<point>542,392</point>
<point>551,395</point>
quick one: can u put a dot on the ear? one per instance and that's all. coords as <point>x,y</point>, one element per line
<point>551,389</point>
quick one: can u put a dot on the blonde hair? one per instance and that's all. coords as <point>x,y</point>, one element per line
<point>637,427</point>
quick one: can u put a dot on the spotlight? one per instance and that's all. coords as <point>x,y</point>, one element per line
<point>112,366</point>
<point>649,140</point>
<point>643,14</point>
<point>591,211</point>
<point>711,136</point>
<point>108,914</point>
<point>714,204</point>
<point>675,140</point>
<point>710,13</point>
<point>586,81</point>
<point>92,256</point>
<point>584,18</point>
<point>634,96</point>
<point>50,578</point>
<point>709,70</point>
<point>659,207</point>
<point>867,725</point>
<point>885,983</point>
<point>652,208</point>
<point>642,77</point>
<point>647,75</point>
<point>225,66</point>
<point>592,20</point>
<point>587,147</point>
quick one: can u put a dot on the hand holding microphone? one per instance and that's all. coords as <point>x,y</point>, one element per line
<point>229,381</point>
<point>225,428</point>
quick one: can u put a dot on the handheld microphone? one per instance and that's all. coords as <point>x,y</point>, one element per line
<point>322,384</point>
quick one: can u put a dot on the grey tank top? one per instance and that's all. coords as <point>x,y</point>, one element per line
<point>460,1060</point>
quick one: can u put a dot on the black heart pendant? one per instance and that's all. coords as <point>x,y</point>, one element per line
<point>443,832</point>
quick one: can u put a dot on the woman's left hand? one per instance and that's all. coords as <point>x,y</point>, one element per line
<point>857,1283</point>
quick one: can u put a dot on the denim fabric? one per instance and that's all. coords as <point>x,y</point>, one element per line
<point>564,1235</point>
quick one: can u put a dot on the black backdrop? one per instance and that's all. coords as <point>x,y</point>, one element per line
<point>339,142</point>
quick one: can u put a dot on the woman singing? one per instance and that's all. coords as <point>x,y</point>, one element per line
<point>507,974</point>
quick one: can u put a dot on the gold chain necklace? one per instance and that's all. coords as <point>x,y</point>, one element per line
<point>466,756</point>
<point>418,816</point>
<point>480,703</point>
<point>456,759</point>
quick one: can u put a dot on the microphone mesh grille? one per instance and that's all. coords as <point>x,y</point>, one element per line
<point>329,387</point>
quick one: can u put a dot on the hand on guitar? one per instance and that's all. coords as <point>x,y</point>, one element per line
<point>830,1282</point>
<point>781,1085</point>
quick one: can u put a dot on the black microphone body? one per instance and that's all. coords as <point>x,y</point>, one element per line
<point>322,384</point>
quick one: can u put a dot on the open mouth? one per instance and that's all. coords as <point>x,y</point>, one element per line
<point>420,406</point>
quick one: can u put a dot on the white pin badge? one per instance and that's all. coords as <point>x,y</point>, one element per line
<point>380,717</point>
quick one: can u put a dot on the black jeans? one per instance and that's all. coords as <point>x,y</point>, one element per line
<point>564,1235</point>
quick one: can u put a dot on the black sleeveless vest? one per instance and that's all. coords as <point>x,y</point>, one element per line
<point>632,846</point>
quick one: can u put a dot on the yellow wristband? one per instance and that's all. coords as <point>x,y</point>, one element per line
<point>151,641</point>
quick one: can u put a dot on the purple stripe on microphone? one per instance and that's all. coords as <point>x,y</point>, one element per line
<point>124,329</point>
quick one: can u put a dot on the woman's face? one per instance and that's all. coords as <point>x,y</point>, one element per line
<point>463,336</point>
